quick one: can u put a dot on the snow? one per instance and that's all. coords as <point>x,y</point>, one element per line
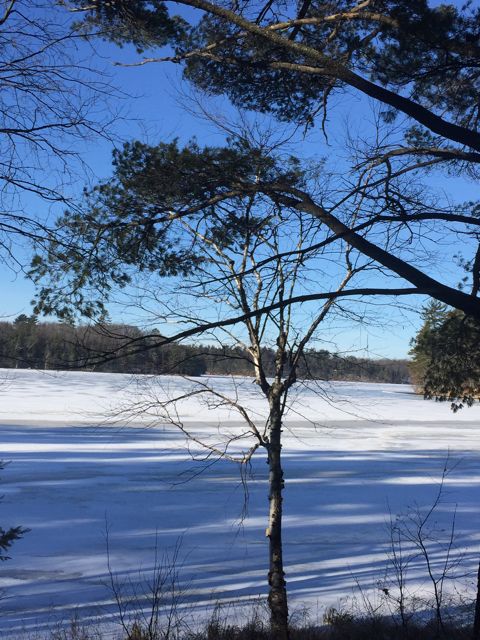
<point>82,462</point>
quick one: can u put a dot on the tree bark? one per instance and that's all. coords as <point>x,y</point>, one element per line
<point>476,620</point>
<point>277,598</point>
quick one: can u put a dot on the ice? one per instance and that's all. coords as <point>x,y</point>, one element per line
<point>82,462</point>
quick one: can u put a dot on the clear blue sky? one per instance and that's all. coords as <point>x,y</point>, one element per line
<point>153,112</point>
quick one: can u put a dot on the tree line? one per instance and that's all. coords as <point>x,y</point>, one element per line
<point>26,343</point>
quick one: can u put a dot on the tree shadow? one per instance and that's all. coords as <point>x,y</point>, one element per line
<point>67,484</point>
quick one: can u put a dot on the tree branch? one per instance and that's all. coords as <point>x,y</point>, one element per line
<point>332,68</point>
<point>126,349</point>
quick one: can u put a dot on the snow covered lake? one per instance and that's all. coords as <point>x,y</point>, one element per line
<point>355,455</point>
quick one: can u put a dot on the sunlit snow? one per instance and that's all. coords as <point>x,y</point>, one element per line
<point>83,461</point>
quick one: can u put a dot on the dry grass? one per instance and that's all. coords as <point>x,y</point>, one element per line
<point>341,626</point>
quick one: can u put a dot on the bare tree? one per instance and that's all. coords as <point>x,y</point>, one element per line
<point>51,102</point>
<point>250,262</point>
<point>151,611</point>
<point>415,537</point>
<point>236,244</point>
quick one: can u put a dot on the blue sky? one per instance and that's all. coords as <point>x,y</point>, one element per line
<point>153,111</point>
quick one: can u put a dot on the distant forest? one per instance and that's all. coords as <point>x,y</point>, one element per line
<point>25,343</point>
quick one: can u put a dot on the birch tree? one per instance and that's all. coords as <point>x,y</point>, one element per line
<point>219,259</point>
<point>246,285</point>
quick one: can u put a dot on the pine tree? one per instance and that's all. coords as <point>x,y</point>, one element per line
<point>446,363</point>
<point>434,314</point>
<point>9,536</point>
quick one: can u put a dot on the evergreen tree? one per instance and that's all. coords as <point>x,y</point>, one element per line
<point>9,536</point>
<point>434,313</point>
<point>286,58</point>
<point>446,357</point>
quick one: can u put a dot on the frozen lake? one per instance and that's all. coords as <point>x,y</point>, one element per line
<point>79,465</point>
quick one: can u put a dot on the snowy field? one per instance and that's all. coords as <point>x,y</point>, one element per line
<point>355,455</point>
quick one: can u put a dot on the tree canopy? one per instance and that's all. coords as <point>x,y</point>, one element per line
<point>134,222</point>
<point>418,62</point>
<point>446,357</point>
<point>287,57</point>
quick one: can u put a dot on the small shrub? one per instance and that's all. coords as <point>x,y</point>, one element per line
<point>76,630</point>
